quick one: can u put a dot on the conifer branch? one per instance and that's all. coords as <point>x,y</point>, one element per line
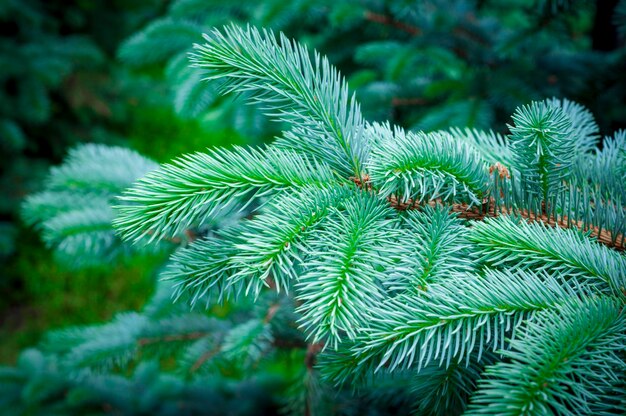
<point>282,77</point>
<point>564,361</point>
<point>424,167</point>
<point>272,243</point>
<point>452,318</point>
<point>74,211</point>
<point>504,241</point>
<point>202,270</point>
<point>541,142</point>
<point>341,284</point>
<point>468,212</point>
<point>411,256</point>
<point>434,247</point>
<point>195,187</point>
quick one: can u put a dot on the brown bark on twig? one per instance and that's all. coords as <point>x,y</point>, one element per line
<point>204,358</point>
<point>311,354</point>
<point>363,183</point>
<point>477,213</point>
<point>171,338</point>
<point>389,21</point>
<point>398,101</point>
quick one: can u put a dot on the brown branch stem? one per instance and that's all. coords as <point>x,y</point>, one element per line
<point>204,358</point>
<point>311,354</point>
<point>389,21</point>
<point>399,101</point>
<point>603,236</point>
<point>477,213</point>
<point>172,338</point>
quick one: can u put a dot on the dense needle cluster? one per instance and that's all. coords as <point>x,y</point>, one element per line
<point>480,273</point>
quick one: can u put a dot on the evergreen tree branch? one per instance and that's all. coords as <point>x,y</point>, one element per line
<point>282,78</point>
<point>506,242</point>
<point>455,316</point>
<point>194,187</point>
<point>446,390</point>
<point>605,169</point>
<point>341,282</point>
<point>434,246</point>
<point>118,342</point>
<point>424,167</point>
<point>74,211</point>
<point>563,362</point>
<point>202,271</point>
<point>79,174</point>
<point>466,211</point>
<point>491,146</point>
<point>541,141</point>
<point>271,244</point>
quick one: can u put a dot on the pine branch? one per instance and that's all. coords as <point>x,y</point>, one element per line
<point>282,78</point>
<point>434,246</point>
<point>466,211</point>
<point>45,205</point>
<point>270,245</point>
<point>81,233</point>
<point>198,354</point>
<point>245,344</point>
<point>196,187</point>
<point>245,258</point>
<point>605,169</point>
<point>564,362</point>
<point>506,242</point>
<point>446,390</point>
<point>433,390</point>
<point>202,271</point>
<point>541,141</point>
<point>239,348</point>
<point>455,316</point>
<point>491,146</point>
<point>585,131</point>
<point>79,172</point>
<point>424,167</point>
<point>420,298</point>
<point>341,282</point>
<point>74,211</point>
<point>118,342</point>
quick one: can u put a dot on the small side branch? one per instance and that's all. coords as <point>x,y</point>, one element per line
<point>204,358</point>
<point>401,102</point>
<point>488,209</point>
<point>389,21</point>
<point>311,354</point>
<point>172,338</point>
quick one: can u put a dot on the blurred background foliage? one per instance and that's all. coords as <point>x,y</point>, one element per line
<point>116,72</point>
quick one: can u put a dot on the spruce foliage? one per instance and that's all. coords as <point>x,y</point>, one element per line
<point>456,271</point>
<point>74,212</point>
